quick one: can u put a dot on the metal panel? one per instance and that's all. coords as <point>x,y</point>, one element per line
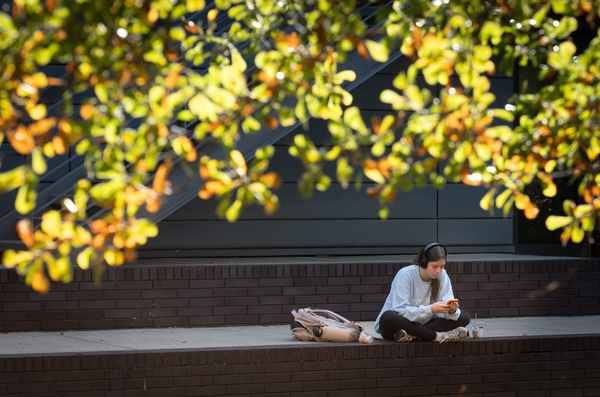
<point>476,231</point>
<point>292,233</point>
<point>335,203</point>
<point>462,201</point>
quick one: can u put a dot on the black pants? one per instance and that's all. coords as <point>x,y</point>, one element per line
<point>391,321</point>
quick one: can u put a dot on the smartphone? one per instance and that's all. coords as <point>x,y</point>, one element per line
<point>451,300</point>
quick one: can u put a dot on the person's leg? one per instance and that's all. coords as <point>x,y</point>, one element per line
<point>391,322</point>
<point>439,324</point>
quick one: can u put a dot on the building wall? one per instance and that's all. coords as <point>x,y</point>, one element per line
<point>178,292</point>
<point>342,221</point>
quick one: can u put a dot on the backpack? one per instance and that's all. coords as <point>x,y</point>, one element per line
<point>323,326</point>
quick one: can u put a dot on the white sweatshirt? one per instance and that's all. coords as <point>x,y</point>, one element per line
<point>410,296</point>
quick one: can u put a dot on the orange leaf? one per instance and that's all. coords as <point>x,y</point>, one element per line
<point>191,27</point>
<point>21,140</point>
<point>163,131</point>
<point>51,5</point>
<point>384,167</point>
<point>375,123</point>
<point>362,50</point>
<point>271,122</point>
<point>99,226</point>
<point>271,179</point>
<point>204,172</point>
<point>172,78</point>
<point>531,210</point>
<point>25,231</point>
<point>134,196</point>
<point>373,191</point>
<point>59,145</point>
<point>55,81</point>
<point>159,183</point>
<point>40,283</point>
<point>152,15</point>
<point>153,204</point>
<point>130,255</point>
<point>369,164</point>
<point>86,111</point>
<point>191,155</point>
<point>42,126</point>
<point>209,189</point>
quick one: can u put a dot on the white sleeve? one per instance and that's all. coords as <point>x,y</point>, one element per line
<point>401,302</point>
<point>447,293</point>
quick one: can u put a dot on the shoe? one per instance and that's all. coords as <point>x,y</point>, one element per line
<point>456,335</point>
<point>402,336</point>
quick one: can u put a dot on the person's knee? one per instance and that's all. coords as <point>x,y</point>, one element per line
<point>389,315</point>
<point>464,319</point>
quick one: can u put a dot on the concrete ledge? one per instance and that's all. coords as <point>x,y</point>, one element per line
<point>512,366</point>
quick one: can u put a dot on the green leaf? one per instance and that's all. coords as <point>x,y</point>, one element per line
<point>502,197</point>
<point>378,51</point>
<point>233,212</point>
<point>250,125</point>
<point>491,31</point>
<point>562,58</point>
<point>177,33</point>
<point>414,96</point>
<point>101,93</point>
<point>486,201</point>
<point>26,196</point>
<point>38,162</point>
<point>378,149</point>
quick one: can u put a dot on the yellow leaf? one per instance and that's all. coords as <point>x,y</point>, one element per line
<point>194,5</point>
<point>84,258</point>
<point>51,224</point>
<point>486,201</point>
<point>37,112</point>
<point>114,257</point>
<point>577,234</point>
<point>11,258</point>
<point>550,190</point>
<point>212,15</point>
<point>554,222</point>
<point>238,159</point>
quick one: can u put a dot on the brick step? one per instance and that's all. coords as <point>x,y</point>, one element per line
<point>205,292</point>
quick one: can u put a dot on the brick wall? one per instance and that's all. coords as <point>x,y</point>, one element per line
<point>543,366</point>
<point>221,295</point>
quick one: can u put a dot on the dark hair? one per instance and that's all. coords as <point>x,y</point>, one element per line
<point>431,252</point>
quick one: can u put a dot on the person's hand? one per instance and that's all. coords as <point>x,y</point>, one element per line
<point>440,307</point>
<point>453,307</point>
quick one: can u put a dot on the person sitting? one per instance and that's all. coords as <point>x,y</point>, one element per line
<point>421,303</point>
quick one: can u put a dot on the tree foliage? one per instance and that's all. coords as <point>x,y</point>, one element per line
<point>136,71</point>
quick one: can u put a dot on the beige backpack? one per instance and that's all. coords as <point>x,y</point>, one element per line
<point>323,326</point>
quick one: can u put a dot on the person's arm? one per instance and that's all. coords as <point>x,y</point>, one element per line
<point>447,293</point>
<point>401,301</point>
